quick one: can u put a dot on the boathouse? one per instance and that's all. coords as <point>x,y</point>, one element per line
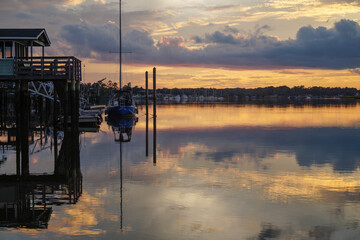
<point>18,60</point>
<point>23,64</point>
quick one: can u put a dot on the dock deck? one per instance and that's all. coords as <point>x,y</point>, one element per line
<point>41,69</point>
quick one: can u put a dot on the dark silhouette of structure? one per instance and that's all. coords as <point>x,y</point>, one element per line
<point>26,199</point>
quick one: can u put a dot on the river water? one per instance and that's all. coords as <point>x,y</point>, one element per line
<point>222,171</point>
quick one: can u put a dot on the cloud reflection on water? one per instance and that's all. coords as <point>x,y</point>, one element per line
<point>235,181</point>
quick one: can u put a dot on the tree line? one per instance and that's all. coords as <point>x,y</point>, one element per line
<point>101,92</point>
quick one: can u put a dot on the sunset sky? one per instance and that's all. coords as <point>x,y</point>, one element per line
<point>203,43</point>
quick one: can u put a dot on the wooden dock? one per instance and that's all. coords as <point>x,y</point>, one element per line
<point>19,69</point>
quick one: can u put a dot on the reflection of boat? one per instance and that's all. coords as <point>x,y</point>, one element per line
<point>122,127</point>
<point>122,104</point>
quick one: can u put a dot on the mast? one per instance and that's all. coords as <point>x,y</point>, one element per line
<point>120,52</point>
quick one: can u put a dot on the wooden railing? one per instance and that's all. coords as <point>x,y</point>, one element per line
<point>47,68</point>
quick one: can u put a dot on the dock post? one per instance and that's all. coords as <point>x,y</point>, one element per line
<point>72,105</point>
<point>147,92</point>
<point>18,129</point>
<point>40,109</point>
<point>154,91</point>
<point>55,117</point>
<point>154,116</point>
<point>65,104</point>
<point>25,128</point>
<point>72,146</point>
<point>147,112</point>
<point>47,111</point>
<point>2,105</point>
<point>76,133</point>
<point>40,104</point>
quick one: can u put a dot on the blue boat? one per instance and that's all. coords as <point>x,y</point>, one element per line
<point>122,104</point>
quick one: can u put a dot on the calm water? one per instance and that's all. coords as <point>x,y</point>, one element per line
<point>222,172</point>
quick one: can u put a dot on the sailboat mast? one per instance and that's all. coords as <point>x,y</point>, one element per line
<point>120,52</point>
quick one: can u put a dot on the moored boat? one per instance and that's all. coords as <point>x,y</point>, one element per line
<point>122,104</point>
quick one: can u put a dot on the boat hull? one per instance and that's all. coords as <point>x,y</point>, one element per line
<point>117,111</point>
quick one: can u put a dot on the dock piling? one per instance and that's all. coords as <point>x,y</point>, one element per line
<point>154,116</point>
<point>24,119</point>
<point>147,112</point>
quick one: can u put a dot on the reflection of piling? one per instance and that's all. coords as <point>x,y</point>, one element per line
<point>121,188</point>
<point>147,111</point>
<point>154,115</point>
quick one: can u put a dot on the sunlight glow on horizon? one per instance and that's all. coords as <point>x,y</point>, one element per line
<point>196,77</point>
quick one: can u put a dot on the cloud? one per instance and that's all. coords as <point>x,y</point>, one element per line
<point>320,146</point>
<point>218,37</point>
<point>27,4</point>
<point>23,15</point>
<point>230,29</point>
<point>92,41</point>
<point>197,39</point>
<point>340,1</point>
<point>331,48</point>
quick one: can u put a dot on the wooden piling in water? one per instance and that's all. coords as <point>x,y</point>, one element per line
<point>147,93</point>
<point>25,107</point>
<point>2,106</point>
<point>18,129</point>
<point>55,118</point>
<point>76,133</point>
<point>147,112</point>
<point>72,106</point>
<point>40,105</point>
<point>154,116</point>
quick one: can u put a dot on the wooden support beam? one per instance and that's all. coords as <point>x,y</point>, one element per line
<point>3,53</point>
<point>55,117</point>
<point>18,129</point>
<point>25,106</point>
<point>13,49</point>
<point>42,63</point>
<point>31,65</point>
<point>77,133</point>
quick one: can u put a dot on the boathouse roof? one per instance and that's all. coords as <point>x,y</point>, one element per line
<point>38,36</point>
